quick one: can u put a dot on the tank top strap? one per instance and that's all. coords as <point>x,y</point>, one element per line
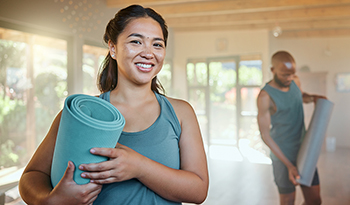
<point>105,96</point>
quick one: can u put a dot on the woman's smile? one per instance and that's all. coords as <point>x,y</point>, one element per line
<point>144,67</point>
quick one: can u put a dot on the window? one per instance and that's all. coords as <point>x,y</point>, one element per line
<point>223,92</point>
<point>93,57</point>
<point>33,86</point>
<point>165,77</point>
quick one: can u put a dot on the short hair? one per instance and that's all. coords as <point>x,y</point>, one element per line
<point>282,56</point>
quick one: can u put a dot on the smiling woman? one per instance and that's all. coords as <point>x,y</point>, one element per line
<point>140,47</point>
<point>159,158</point>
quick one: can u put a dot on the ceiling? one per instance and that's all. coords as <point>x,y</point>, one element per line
<point>295,18</point>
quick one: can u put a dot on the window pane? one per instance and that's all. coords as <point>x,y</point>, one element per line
<point>197,100</point>
<point>250,143</point>
<point>197,74</point>
<point>50,83</point>
<point>33,86</point>
<point>248,99</point>
<point>164,77</point>
<point>250,72</point>
<point>93,57</point>
<point>222,80</point>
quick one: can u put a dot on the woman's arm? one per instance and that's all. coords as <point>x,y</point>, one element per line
<point>35,184</point>
<point>189,184</point>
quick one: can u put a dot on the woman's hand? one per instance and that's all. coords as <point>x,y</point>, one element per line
<point>68,192</point>
<point>123,164</point>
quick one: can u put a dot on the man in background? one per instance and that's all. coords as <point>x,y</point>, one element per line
<point>280,104</point>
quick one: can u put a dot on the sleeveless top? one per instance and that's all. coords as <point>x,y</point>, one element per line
<point>288,127</point>
<point>159,142</point>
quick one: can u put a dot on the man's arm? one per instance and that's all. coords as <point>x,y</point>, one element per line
<point>264,121</point>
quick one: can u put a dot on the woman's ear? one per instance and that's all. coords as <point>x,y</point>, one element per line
<point>111,48</point>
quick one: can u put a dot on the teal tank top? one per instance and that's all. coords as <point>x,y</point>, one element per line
<point>288,122</point>
<point>159,142</point>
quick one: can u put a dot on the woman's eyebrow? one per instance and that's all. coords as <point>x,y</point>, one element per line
<point>142,36</point>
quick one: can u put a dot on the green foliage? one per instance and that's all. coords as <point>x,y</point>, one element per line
<point>197,73</point>
<point>12,113</point>
<point>250,75</point>
<point>7,156</point>
<point>12,54</point>
<point>164,77</point>
<point>49,69</point>
<point>221,81</point>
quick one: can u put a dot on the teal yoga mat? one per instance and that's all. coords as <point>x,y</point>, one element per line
<point>312,143</point>
<point>86,122</point>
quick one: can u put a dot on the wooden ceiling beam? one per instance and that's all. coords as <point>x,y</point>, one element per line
<point>297,25</point>
<point>124,3</point>
<point>329,13</point>
<point>214,7</point>
<point>315,33</point>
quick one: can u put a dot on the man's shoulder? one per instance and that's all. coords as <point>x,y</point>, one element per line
<point>263,94</point>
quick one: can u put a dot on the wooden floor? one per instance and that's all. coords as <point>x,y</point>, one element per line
<point>236,180</point>
<point>246,183</point>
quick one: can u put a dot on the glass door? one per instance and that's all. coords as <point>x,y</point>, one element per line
<point>250,143</point>
<point>223,123</point>
<point>223,92</point>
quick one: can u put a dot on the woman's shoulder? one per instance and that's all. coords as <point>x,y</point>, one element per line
<point>178,103</point>
<point>181,107</point>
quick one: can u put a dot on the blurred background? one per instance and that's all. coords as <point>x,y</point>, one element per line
<point>218,58</point>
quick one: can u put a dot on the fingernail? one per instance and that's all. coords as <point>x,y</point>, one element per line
<point>83,175</point>
<point>92,151</point>
<point>81,167</point>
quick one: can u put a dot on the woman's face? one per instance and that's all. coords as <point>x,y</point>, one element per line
<point>140,50</point>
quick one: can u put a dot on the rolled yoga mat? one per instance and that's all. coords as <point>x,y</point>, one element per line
<point>86,122</point>
<point>312,143</point>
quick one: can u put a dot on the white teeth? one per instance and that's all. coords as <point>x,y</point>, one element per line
<point>144,65</point>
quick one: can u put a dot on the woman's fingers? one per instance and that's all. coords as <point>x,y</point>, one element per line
<point>97,175</point>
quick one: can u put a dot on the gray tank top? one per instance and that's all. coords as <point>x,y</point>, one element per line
<point>159,142</point>
<point>288,122</point>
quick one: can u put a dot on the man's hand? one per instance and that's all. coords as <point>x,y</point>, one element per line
<point>293,175</point>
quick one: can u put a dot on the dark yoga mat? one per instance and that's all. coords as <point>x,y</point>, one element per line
<point>86,122</point>
<point>312,143</point>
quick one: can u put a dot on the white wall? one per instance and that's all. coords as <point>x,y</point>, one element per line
<point>324,54</point>
<point>189,45</point>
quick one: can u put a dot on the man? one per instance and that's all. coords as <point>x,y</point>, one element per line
<point>280,104</point>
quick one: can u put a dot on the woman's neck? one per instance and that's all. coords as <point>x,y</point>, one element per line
<point>131,94</point>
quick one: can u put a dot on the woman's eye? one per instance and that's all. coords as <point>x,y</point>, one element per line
<point>158,45</point>
<point>136,42</point>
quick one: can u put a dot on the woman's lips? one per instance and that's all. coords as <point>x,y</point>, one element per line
<point>144,67</point>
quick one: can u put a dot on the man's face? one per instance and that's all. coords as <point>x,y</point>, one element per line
<point>283,73</point>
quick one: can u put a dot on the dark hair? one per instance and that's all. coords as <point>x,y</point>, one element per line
<point>282,56</point>
<point>108,74</point>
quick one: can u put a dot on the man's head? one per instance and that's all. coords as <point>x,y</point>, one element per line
<point>283,68</point>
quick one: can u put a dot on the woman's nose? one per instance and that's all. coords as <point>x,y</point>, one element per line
<point>147,52</point>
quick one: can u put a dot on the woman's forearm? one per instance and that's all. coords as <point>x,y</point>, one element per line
<point>35,187</point>
<point>172,184</point>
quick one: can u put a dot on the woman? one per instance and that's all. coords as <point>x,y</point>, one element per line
<point>159,158</point>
